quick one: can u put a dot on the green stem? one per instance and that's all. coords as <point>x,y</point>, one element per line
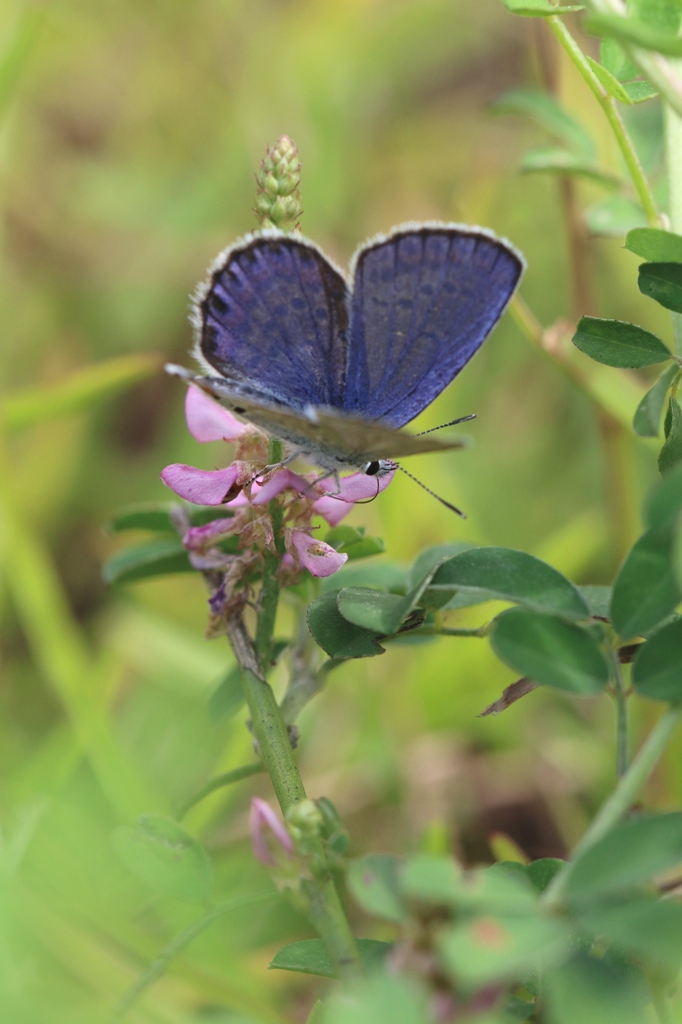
<point>269,598</point>
<point>622,797</point>
<point>226,779</point>
<point>180,942</point>
<point>326,913</point>
<point>608,105</point>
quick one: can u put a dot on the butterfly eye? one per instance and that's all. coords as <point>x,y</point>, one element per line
<point>371,468</point>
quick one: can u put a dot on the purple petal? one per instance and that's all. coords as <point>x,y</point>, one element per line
<point>207,420</point>
<point>318,558</point>
<point>262,818</point>
<point>280,481</point>
<point>198,538</point>
<point>200,486</point>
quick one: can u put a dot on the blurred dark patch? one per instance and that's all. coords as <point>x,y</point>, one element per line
<point>79,568</point>
<point>82,131</point>
<point>136,420</point>
<point>482,78</point>
<point>528,822</point>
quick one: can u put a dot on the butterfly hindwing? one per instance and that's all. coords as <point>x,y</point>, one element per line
<point>424,301</point>
<point>273,316</point>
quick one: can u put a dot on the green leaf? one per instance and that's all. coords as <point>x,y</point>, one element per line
<point>647,928</point>
<point>615,59</point>
<point>228,697</point>
<point>647,418</point>
<point>597,599</point>
<point>614,217</point>
<point>626,858</point>
<point>670,454</point>
<point>550,651</point>
<point>311,957</point>
<point>546,111</point>
<point>154,516</point>
<point>633,30</point>
<point>655,245</point>
<point>432,879</point>
<point>645,591</point>
<point>373,881</point>
<point>156,558</point>
<point>381,998</point>
<point>371,609</point>
<point>539,8</point>
<point>657,669</point>
<point>166,857</point>
<point>336,635</point>
<point>640,92</point>
<point>542,871</point>
<point>564,161</point>
<point>609,81</point>
<point>428,559</point>
<point>496,949</point>
<point>385,576</point>
<point>664,14</point>
<point>595,990</point>
<point>507,575</point>
<point>616,343</point>
<point>354,543</point>
<point>662,282</point>
<point>83,390</point>
<point>665,501</point>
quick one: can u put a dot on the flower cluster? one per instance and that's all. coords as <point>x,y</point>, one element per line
<point>242,494</point>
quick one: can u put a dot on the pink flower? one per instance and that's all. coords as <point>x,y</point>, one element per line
<point>357,487</point>
<point>265,825</point>
<point>207,420</point>
<point>201,486</point>
<point>318,558</point>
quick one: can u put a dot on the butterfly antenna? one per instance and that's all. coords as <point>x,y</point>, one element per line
<point>453,508</point>
<point>452,423</point>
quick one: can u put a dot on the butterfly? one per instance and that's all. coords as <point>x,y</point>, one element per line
<point>334,366</point>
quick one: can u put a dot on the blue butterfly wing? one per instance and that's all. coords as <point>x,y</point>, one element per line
<point>424,301</point>
<point>273,317</point>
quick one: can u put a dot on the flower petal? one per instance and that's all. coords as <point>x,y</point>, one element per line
<point>207,420</point>
<point>199,538</point>
<point>318,558</point>
<point>357,487</point>
<point>280,481</point>
<point>262,820</point>
<point>200,486</point>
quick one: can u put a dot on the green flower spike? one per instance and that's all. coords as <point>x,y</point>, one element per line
<point>278,201</point>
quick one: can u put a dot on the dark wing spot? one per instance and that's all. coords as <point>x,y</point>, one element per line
<point>218,304</point>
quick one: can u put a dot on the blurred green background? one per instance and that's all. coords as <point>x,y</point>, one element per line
<point>129,133</point>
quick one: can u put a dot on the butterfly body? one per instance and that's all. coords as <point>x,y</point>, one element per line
<point>335,367</point>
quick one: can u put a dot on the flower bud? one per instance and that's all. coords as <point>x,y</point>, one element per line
<point>269,836</point>
<point>278,201</point>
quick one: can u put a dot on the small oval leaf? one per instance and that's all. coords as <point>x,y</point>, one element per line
<point>670,454</point>
<point>336,635</point>
<point>647,419</point>
<point>655,245</point>
<point>616,343</point>
<point>645,592</point>
<point>662,282</point>
<point>657,669</point>
<point>550,651</point>
<point>168,859</point>
<point>156,558</point>
<point>508,575</point>
<point>665,502</point>
<point>374,882</point>
<point>311,957</point>
<point>610,82</point>
<point>370,608</point>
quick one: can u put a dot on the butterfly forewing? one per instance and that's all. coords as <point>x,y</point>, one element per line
<point>424,301</point>
<point>273,316</point>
